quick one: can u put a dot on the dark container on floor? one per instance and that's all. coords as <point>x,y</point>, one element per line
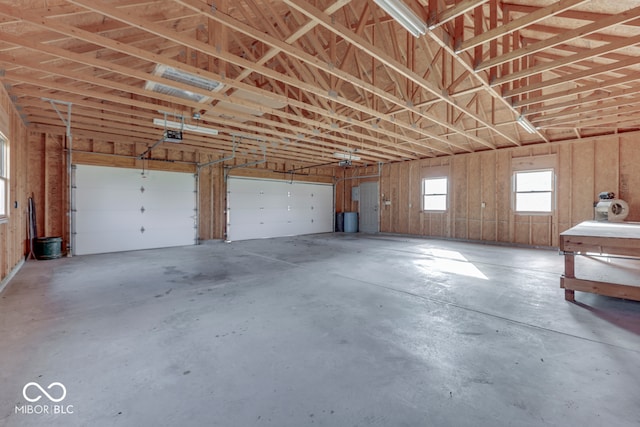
<point>47,247</point>
<point>351,222</point>
<point>339,222</point>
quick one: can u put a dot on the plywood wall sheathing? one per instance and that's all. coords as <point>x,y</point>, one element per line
<point>13,231</point>
<point>583,170</point>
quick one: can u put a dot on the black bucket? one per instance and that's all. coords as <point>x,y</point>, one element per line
<point>47,247</point>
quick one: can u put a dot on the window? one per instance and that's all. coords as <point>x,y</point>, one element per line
<point>4,176</point>
<point>534,191</point>
<point>434,194</point>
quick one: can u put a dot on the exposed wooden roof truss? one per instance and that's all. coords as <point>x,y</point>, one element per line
<point>306,79</point>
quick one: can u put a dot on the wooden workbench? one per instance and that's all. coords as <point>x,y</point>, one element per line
<point>602,238</point>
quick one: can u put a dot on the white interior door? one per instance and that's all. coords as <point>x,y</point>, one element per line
<point>369,207</point>
<point>260,208</point>
<point>118,209</point>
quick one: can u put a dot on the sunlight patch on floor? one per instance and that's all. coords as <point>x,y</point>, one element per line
<point>448,261</point>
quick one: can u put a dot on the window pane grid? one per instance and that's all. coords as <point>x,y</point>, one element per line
<point>534,191</point>
<point>434,194</point>
<point>2,157</point>
<point>3,197</point>
<point>4,179</point>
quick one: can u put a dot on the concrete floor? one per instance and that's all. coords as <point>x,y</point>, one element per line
<point>323,330</point>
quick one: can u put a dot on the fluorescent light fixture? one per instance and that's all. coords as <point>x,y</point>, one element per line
<point>404,15</point>
<point>346,156</point>
<point>526,124</point>
<point>184,126</point>
<point>182,77</point>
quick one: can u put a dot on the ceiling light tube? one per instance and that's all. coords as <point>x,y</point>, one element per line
<point>526,124</point>
<point>184,126</point>
<point>404,15</point>
<point>346,156</point>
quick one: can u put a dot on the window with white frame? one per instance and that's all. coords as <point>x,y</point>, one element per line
<point>534,191</point>
<point>434,194</point>
<point>4,176</point>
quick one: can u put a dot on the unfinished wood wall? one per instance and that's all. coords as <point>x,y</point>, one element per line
<point>47,177</point>
<point>13,232</point>
<point>584,169</point>
<point>346,178</point>
<point>38,168</point>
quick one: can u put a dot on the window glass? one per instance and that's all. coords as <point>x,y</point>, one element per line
<point>4,176</point>
<point>534,191</point>
<point>434,193</point>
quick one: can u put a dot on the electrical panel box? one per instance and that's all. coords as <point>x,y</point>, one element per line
<point>355,194</point>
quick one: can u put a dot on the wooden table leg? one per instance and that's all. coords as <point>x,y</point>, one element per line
<point>569,295</point>
<point>569,272</point>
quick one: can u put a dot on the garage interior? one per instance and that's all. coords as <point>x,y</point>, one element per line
<point>329,212</point>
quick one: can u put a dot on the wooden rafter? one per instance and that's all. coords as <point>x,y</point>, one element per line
<point>332,75</point>
<point>516,24</point>
<point>315,14</point>
<point>564,37</point>
<point>453,12</point>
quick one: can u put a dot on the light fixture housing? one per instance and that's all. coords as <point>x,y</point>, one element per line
<point>404,16</point>
<point>526,124</point>
<point>184,126</point>
<point>346,156</point>
<point>173,136</point>
<point>180,76</point>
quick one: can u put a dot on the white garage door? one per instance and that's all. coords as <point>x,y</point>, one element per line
<point>260,208</point>
<point>117,209</point>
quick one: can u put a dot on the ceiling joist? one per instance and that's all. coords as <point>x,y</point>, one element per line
<point>313,78</point>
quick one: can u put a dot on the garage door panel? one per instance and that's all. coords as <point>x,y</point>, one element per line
<point>108,178</point>
<point>119,209</point>
<point>165,237</point>
<point>169,181</point>
<point>107,241</point>
<point>168,219</point>
<point>273,201</point>
<point>247,231</point>
<point>273,215</point>
<point>246,201</point>
<point>103,242</point>
<point>158,200</point>
<point>245,216</point>
<point>109,199</point>
<point>89,220</point>
<point>262,201</point>
<point>263,208</point>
